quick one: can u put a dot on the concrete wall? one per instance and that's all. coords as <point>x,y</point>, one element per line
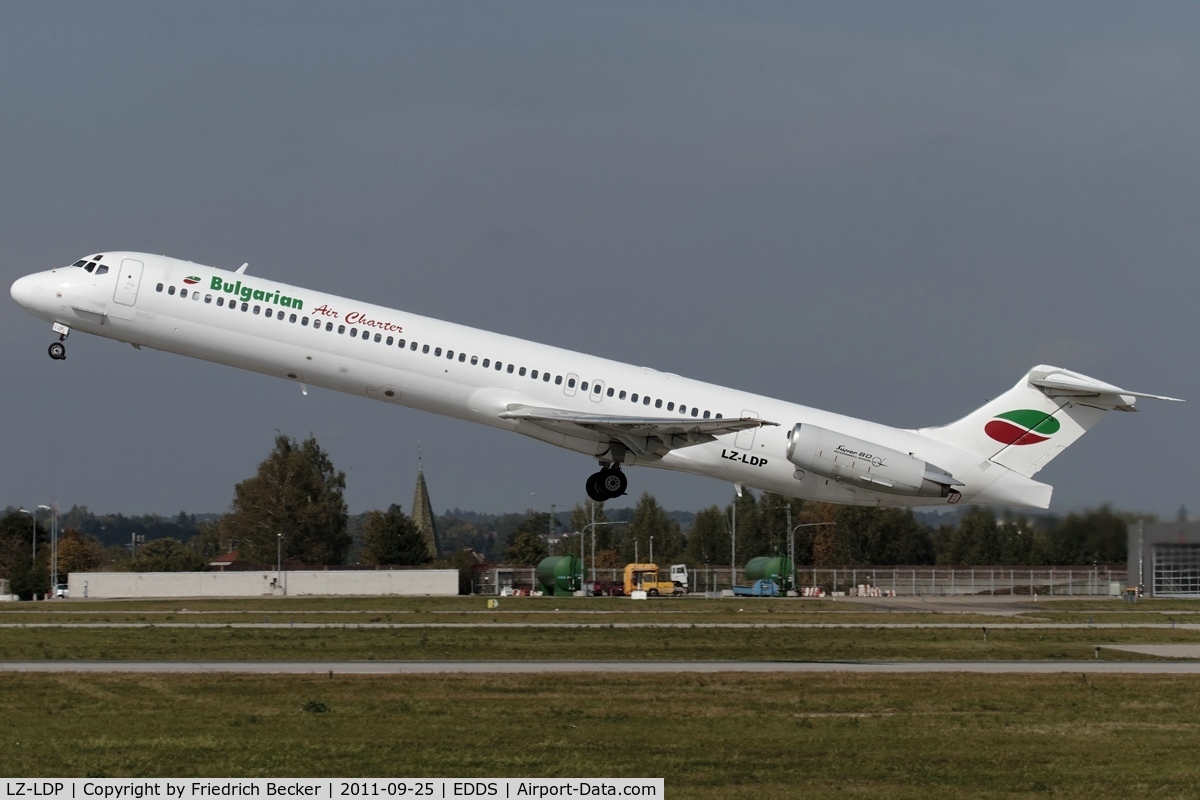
<point>441,582</point>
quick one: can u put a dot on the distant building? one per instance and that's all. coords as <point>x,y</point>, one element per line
<point>422,515</point>
<point>1164,558</point>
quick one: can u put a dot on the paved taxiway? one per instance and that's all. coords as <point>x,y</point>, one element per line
<point>519,667</point>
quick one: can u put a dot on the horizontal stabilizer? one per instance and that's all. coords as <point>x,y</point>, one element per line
<point>1061,383</point>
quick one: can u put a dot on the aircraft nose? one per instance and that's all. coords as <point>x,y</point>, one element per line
<point>24,290</point>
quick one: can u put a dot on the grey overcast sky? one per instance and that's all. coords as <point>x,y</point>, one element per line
<point>891,210</point>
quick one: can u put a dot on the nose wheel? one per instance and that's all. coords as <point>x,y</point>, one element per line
<point>606,484</point>
<point>58,350</point>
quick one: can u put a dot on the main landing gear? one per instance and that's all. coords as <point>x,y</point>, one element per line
<point>606,484</point>
<point>58,350</point>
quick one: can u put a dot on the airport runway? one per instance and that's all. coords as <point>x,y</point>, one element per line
<point>527,667</point>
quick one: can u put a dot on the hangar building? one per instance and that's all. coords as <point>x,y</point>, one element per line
<point>1164,558</point>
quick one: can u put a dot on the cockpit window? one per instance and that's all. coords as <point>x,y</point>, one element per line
<point>101,270</point>
<point>81,262</point>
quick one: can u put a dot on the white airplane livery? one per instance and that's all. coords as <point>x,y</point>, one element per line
<point>619,414</point>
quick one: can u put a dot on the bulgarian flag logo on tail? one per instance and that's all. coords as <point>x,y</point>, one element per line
<point>1023,426</point>
<point>191,280</point>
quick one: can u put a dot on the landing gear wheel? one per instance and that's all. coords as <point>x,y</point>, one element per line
<point>606,484</point>
<point>58,351</point>
<point>613,482</point>
<point>593,488</point>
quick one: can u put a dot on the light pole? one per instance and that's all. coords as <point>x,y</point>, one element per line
<point>53,545</point>
<point>279,560</point>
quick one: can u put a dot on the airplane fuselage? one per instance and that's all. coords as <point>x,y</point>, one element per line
<point>319,339</point>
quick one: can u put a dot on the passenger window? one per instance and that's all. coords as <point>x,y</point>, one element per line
<point>546,377</point>
<point>268,314</point>
<point>378,337</point>
<point>437,351</point>
<point>401,343</point>
<point>220,301</point>
<point>304,322</point>
<point>533,374</point>
<point>695,411</point>
<point>425,349</point>
<point>245,306</point>
<point>719,416</point>
<point>183,292</point>
<point>341,328</point>
<point>521,372</point>
<point>329,326</point>
<point>499,366</point>
<point>646,400</point>
<point>611,391</point>
<point>158,288</point>
<point>388,342</point>
<point>208,298</point>
<point>510,369</point>
<point>633,397</point>
<point>570,383</point>
<point>257,309</point>
<point>475,360</point>
<point>670,406</point>
<point>450,354</point>
<point>413,347</point>
<point>583,386</point>
<point>621,396</point>
<point>658,403</point>
<point>486,363</point>
<point>462,357</point>
<point>597,388</point>
<point>706,415</point>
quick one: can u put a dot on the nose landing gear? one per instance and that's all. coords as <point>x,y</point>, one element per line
<point>58,350</point>
<point>606,484</point>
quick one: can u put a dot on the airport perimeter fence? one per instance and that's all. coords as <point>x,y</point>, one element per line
<point>853,581</point>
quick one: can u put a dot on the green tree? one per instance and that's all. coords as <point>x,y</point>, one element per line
<point>390,538</point>
<point>649,519</point>
<point>78,553</point>
<point>708,541</point>
<point>17,531</point>
<point>167,555</point>
<point>1094,536</point>
<point>526,549</point>
<point>296,493</point>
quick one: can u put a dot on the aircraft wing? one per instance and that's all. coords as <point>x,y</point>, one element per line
<point>643,436</point>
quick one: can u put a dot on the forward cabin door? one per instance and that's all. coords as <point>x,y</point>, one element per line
<point>128,279</point>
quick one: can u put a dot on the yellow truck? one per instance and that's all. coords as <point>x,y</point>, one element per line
<point>645,577</point>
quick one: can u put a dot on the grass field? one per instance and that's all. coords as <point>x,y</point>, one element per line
<point>897,736</point>
<point>709,736</point>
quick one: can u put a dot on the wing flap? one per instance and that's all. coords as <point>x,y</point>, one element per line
<point>644,436</point>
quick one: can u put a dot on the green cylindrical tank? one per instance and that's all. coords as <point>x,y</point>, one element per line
<point>560,575</point>
<point>771,568</point>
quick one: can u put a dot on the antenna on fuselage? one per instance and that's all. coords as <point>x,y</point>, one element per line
<point>242,269</point>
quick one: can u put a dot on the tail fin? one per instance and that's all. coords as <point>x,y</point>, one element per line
<point>1027,426</point>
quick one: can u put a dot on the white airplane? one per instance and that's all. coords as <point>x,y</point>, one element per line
<point>620,414</point>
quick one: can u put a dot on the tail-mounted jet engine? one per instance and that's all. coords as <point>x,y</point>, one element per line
<point>861,463</point>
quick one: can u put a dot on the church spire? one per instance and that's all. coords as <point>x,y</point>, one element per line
<point>422,509</point>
